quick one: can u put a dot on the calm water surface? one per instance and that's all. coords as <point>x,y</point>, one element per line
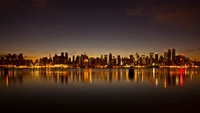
<point>100,90</point>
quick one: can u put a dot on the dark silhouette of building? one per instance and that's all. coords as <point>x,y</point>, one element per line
<point>131,59</point>
<point>106,59</point>
<point>62,54</point>
<point>169,54</point>
<point>156,58</point>
<point>110,58</point>
<point>119,60</point>
<point>73,60</point>
<point>165,57</point>
<point>66,56</point>
<point>151,58</point>
<point>173,56</point>
<point>55,59</point>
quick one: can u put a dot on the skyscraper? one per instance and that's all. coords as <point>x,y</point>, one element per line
<point>66,55</point>
<point>165,57</point>
<point>156,58</point>
<point>73,58</point>
<point>151,58</point>
<point>20,57</point>
<point>137,56</point>
<point>62,54</point>
<point>169,55</point>
<point>110,58</point>
<point>173,54</point>
<point>131,59</point>
<point>119,60</point>
<point>106,59</point>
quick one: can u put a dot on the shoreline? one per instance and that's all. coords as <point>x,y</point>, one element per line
<point>173,67</point>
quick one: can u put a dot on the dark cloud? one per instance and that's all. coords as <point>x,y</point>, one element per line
<point>198,49</point>
<point>183,13</point>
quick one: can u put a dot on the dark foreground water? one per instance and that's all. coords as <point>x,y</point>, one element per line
<point>100,90</point>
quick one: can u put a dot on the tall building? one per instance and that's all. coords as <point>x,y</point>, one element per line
<point>20,57</point>
<point>110,58</point>
<point>62,54</point>
<point>106,59</point>
<point>131,59</point>
<point>173,54</point>
<point>66,56</point>
<point>143,59</point>
<point>101,57</point>
<point>136,56</point>
<point>169,57</point>
<point>151,58</point>
<point>14,57</point>
<point>156,58</point>
<point>114,61</point>
<point>73,58</point>
<point>147,60</point>
<point>161,60</point>
<point>77,59</point>
<point>55,59</point>
<point>119,60</point>
<point>165,57</point>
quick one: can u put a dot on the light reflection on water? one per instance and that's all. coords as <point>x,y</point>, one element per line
<point>105,90</point>
<point>165,78</point>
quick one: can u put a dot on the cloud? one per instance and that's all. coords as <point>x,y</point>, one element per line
<point>184,14</point>
<point>198,49</point>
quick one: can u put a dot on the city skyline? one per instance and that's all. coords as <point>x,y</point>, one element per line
<point>71,54</point>
<point>168,59</point>
<point>38,28</point>
<point>100,55</point>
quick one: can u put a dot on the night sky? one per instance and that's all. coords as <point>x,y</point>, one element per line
<point>40,27</point>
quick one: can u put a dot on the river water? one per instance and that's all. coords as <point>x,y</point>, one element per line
<point>100,90</point>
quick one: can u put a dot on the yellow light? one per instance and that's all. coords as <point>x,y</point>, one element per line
<point>165,83</point>
<point>7,82</point>
<point>156,81</point>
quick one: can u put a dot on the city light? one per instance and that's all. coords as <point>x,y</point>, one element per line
<point>169,60</point>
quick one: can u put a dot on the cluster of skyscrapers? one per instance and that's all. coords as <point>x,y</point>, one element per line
<point>169,58</point>
<point>15,59</point>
